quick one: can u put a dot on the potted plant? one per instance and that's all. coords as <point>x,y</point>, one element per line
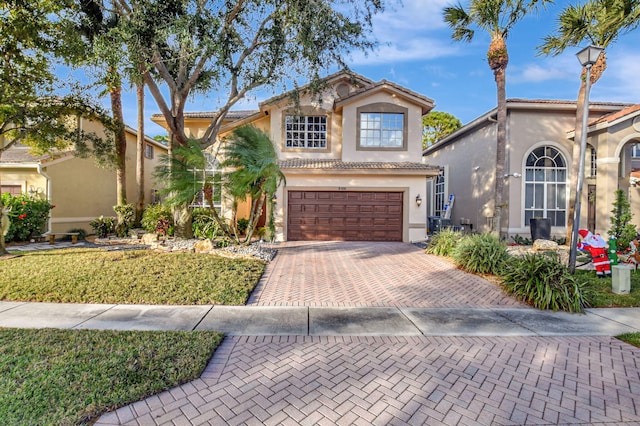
<point>540,228</point>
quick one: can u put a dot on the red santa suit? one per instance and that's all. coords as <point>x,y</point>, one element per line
<point>597,246</point>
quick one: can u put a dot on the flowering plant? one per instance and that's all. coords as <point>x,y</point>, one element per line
<point>28,216</point>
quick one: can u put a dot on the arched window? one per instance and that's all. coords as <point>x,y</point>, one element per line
<point>546,186</point>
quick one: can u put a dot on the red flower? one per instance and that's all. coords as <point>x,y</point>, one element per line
<point>22,216</point>
<point>24,203</point>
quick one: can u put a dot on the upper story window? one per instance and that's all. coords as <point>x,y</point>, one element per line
<point>148,151</point>
<point>306,131</point>
<point>382,126</point>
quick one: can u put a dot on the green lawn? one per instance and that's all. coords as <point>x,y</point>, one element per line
<point>128,277</point>
<point>57,377</point>
<point>66,377</point>
<point>600,295</point>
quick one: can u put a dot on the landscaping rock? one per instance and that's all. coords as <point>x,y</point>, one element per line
<point>149,238</point>
<point>204,246</point>
<point>544,245</point>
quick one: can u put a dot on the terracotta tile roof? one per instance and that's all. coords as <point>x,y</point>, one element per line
<point>300,163</point>
<point>560,102</point>
<point>616,115</point>
<point>21,155</point>
<point>383,83</point>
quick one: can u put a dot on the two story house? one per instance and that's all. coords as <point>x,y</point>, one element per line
<point>352,158</point>
<point>540,150</point>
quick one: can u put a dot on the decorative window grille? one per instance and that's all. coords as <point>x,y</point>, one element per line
<point>306,131</point>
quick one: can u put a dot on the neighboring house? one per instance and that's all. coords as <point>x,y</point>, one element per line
<point>352,158</point>
<point>539,157</point>
<point>79,189</point>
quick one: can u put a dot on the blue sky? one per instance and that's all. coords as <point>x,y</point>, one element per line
<point>417,52</point>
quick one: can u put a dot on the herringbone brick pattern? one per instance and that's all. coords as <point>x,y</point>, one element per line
<point>395,380</point>
<point>370,274</point>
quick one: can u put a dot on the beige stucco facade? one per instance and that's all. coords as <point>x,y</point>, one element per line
<point>343,164</point>
<point>468,159</point>
<point>79,189</point>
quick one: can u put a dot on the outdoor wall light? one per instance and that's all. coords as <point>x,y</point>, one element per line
<point>515,175</point>
<point>418,200</point>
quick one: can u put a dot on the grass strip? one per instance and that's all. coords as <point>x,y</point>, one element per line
<point>128,277</point>
<point>66,377</point>
<point>599,294</point>
<point>630,338</point>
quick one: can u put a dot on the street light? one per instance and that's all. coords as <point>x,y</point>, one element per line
<point>587,57</point>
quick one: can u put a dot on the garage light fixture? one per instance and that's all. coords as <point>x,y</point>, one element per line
<point>418,200</point>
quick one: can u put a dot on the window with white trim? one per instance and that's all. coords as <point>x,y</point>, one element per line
<point>439,195</point>
<point>546,186</point>
<point>381,130</point>
<point>306,131</point>
<point>213,175</point>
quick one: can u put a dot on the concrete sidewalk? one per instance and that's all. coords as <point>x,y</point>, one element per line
<point>322,321</point>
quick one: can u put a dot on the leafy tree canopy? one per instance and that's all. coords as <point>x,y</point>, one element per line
<point>436,125</point>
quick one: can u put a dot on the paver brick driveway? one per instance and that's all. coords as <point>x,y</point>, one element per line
<point>370,274</point>
<point>338,380</point>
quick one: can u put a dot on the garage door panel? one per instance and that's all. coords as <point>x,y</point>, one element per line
<point>344,216</point>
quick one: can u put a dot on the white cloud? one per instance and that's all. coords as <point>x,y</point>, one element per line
<point>410,49</point>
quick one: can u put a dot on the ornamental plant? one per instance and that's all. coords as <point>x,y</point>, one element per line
<point>480,254</point>
<point>28,216</point>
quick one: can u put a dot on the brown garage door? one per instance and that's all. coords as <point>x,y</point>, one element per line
<point>344,216</point>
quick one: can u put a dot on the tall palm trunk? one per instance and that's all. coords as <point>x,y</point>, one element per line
<point>3,221</point>
<point>121,145</point>
<point>140,154</point>
<point>498,60</point>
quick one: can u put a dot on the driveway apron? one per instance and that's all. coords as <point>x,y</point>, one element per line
<point>381,380</point>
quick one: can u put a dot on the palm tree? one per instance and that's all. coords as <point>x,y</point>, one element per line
<point>255,173</point>
<point>496,17</point>
<point>600,22</point>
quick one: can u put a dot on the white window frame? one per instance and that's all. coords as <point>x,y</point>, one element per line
<point>305,132</point>
<point>382,130</point>
<point>548,181</point>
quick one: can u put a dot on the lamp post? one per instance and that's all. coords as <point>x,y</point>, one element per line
<point>587,57</point>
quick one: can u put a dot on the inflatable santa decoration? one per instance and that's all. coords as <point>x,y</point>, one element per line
<point>597,246</point>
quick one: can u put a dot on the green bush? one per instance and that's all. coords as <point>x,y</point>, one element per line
<point>204,224</point>
<point>103,226</point>
<point>480,254</point>
<point>443,243</point>
<point>243,224</point>
<point>82,234</point>
<point>542,281</point>
<point>126,219</point>
<point>28,216</point>
<point>155,216</point>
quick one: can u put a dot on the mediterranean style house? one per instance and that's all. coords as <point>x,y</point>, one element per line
<point>540,139</point>
<point>351,155</point>
<point>78,187</point>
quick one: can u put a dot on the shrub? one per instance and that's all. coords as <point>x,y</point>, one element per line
<point>82,234</point>
<point>126,219</point>
<point>103,226</point>
<point>443,243</point>
<point>204,224</point>
<point>243,224</point>
<point>155,216</point>
<point>542,281</point>
<point>480,254</point>
<point>28,216</point>
<point>621,227</point>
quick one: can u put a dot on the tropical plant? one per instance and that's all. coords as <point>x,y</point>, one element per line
<point>27,216</point>
<point>204,224</point>
<point>542,281</point>
<point>436,125</point>
<point>600,22</point>
<point>155,214</point>
<point>497,18</point>
<point>103,226</point>
<point>255,175</point>
<point>621,229</point>
<point>126,218</point>
<point>444,242</point>
<point>480,254</point>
